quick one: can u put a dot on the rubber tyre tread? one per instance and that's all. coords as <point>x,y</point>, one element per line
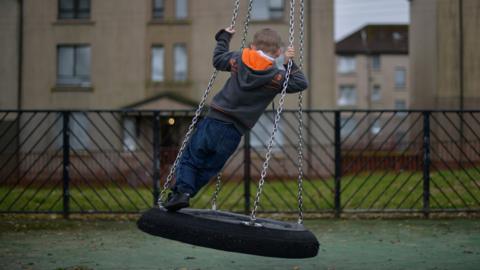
<point>229,236</point>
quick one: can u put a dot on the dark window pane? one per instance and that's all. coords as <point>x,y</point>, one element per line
<point>158,9</point>
<point>66,15</point>
<point>84,4</point>
<point>65,61</point>
<point>83,15</point>
<point>74,9</point>
<point>67,4</point>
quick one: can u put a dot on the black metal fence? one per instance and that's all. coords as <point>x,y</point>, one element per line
<point>355,161</point>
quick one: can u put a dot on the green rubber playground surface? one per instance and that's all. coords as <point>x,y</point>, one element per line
<point>345,244</point>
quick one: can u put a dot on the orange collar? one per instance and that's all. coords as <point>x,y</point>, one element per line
<point>254,60</point>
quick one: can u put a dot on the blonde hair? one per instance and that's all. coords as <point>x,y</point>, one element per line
<point>267,40</point>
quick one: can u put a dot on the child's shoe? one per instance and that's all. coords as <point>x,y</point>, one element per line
<point>177,201</point>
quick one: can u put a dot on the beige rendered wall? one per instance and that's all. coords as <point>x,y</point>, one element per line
<point>116,37</point>
<point>435,54</point>
<point>423,52</point>
<point>471,23</point>
<point>9,24</point>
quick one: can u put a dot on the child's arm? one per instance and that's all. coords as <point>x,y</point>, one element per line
<point>221,55</point>
<point>297,81</point>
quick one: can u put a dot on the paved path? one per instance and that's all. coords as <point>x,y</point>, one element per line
<point>345,244</point>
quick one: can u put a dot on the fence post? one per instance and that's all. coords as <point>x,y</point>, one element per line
<point>156,157</point>
<point>426,163</point>
<point>66,164</point>
<point>338,164</point>
<point>246,171</point>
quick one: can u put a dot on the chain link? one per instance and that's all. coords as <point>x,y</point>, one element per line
<point>277,118</point>
<point>217,191</point>
<point>246,24</point>
<point>198,112</point>
<point>187,136</point>
<point>300,119</point>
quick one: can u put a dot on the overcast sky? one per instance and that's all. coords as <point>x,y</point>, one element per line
<point>350,15</point>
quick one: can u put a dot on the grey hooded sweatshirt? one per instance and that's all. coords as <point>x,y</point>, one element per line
<point>248,91</point>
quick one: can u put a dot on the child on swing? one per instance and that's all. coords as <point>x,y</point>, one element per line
<point>254,82</point>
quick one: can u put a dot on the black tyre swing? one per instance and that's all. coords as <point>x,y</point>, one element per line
<point>235,232</point>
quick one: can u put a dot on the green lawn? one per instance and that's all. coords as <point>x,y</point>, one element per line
<point>376,190</point>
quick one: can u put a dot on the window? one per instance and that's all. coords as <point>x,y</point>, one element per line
<point>73,66</point>
<point>376,93</point>
<point>397,36</point>
<point>73,9</point>
<point>158,64</point>
<point>262,131</point>
<point>400,77</point>
<point>400,104</point>
<point>347,126</point>
<point>347,95</point>
<point>79,125</point>
<point>181,9</point>
<point>180,62</point>
<point>376,62</point>
<point>264,10</point>
<point>129,134</point>
<point>376,127</point>
<point>346,64</point>
<point>158,9</point>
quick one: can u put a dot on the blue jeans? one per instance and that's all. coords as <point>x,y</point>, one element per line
<point>210,146</point>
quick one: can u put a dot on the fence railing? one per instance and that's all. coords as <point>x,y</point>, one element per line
<point>355,161</point>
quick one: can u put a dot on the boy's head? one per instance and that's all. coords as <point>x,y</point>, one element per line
<point>268,41</point>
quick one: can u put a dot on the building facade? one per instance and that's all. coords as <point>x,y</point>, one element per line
<point>373,68</point>
<point>444,51</point>
<point>81,54</point>
<point>146,54</point>
<point>372,73</point>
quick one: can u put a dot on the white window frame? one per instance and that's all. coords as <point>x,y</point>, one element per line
<point>180,65</point>
<point>261,133</point>
<point>272,10</point>
<point>347,95</point>
<point>376,62</point>
<point>75,76</point>
<point>376,127</point>
<point>181,9</point>
<point>376,93</point>
<point>79,124</point>
<point>349,127</point>
<point>400,71</point>
<point>346,64</point>
<point>158,63</point>
<point>397,107</point>
<point>129,128</point>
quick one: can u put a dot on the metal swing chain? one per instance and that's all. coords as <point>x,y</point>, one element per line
<point>300,119</point>
<point>187,136</point>
<point>276,120</point>
<point>192,125</point>
<point>243,43</point>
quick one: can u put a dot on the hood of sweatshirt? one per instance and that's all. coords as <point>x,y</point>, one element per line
<point>255,70</point>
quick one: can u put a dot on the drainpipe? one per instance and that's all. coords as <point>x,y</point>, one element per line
<point>309,50</point>
<point>461,75</point>
<point>20,55</point>
<point>309,74</point>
